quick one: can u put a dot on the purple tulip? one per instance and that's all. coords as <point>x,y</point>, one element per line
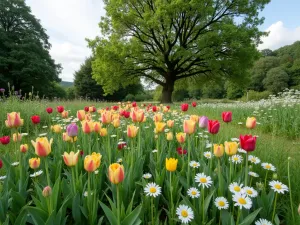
<point>2,90</point>
<point>203,122</point>
<point>72,130</point>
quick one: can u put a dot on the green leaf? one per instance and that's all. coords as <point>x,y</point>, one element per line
<point>76,213</point>
<point>132,217</point>
<point>250,218</point>
<point>207,200</point>
<point>109,214</point>
<point>39,216</point>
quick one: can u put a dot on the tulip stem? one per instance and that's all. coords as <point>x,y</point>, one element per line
<point>203,199</point>
<point>73,179</point>
<point>246,170</point>
<point>89,193</point>
<point>238,217</point>
<point>219,177</point>
<point>47,172</point>
<point>290,189</point>
<point>152,213</point>
<point>189,159</point>
<point>171,197</point>
<point>273,214</point>
<point>230,170</point>
<point>212,147</point>
<point>266,179</point>
<point>119,204</point>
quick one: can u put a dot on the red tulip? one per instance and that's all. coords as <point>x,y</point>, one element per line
<point>86,108</point>
<point>126,114</point>
<point>81,152</point>
<point>121,145</point>
<point>60,109</point>
<point>134,104</point>
<point>168,106</point>
<point>154,108</point>
<point>227,117</point>
<point>115,107</point>
<point>181,151</point>
<point>184,107</point>
<point>1,164</point>
<point>107,108</point>
<point>35,119</point>
<point>213,126</point>
<point>49,110</point>
<point>248,142</point>
<point>5,140</point>
<point>194,104</point>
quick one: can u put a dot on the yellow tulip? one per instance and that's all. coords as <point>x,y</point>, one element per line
<point>181,137</point>
<point>67,138</point>
<point>116,173</point>
<point>116,123</point>
<point>171,164</point>
<point>14,120</point>
<point>132,131</point>
<point>189,126</point>
<point>103,132</point>
<point>251,122</point>
<point>159,127</point>
<point>137,115</point>
<point>92,162</point>
<point>42,146</point>
<point>71,158</point>
<point>218,150</point>
<point>158,117</point>
<point>17,137</point>
<point>169,136</point>
<point>106,117</point>
<point>231,148</point>
<point>56,128</point>
<point>170,123</point>
<point>194,118</point>
<point>34,163</point>
<point>81,115</point>
<point>87,126</point>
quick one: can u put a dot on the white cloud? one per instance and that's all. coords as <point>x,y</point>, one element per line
<point>68,23</point>
<point>279,36</point>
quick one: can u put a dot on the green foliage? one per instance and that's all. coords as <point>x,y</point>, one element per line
<point>213,90</point>
<point>24,50</point>
<point>165,41</point>
<point>276,80</point>
<point>255,95</point>
<point>233,90</point>
<point>55,90</point>
<point>71,93</point>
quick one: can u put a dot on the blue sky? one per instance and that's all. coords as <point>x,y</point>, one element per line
<point>69,22</point>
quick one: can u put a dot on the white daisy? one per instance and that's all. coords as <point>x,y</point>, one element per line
<point>119,160</point>
<point>242,151</point>
<point>207,155</point>
<point>203,180</point>
<point>236,188</point>
<point>24,134</point>
<point>15,163</point>
<point>36,174</point>
<point>45,127</point>
<point>235,139</point>
<point>193,192</point>
<point>242,200</point>
<point>147,175</point>
<point>185,213</point>
<point>42,135</point>
<point>3,177</point>
<point>263,222</point>
<point>194,164</point>
<point>253,159</point>
<point>253,174</point>
<point>237,159</point>
<point>155,150</point>
<point>152,190</point>
<point>268,166</point>
<point>240,123</point>
<point>278,187</point>
<point>221,203</point>
<point>85,194</point>
<point>250,192</point>
<point>96,172</point>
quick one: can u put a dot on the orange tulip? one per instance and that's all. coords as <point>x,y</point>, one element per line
<point>81,115</point>
<point>251,122</point>
<point>87,126</point>
<point>137,115</point>
<point>97,127</point>
<point>24,148</point>
<point>42,146</point>
<point>106,117</point>
<point>181,137</point>
<point>14,120</point>
<point>92,162</point>
<point>116,173</point>
<point>158,117</point>
<point>65,114</point>
<point>189,126</point>
<point>159,127</point>
<point>34,163</point>
<point>132,131</point>
<point>170,123</point>
<point>71,158</point>
<point>67,138</point>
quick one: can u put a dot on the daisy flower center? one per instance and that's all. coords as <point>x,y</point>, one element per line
<point>237,188</point>
<point>184,213</point>
<point>242,201</point>
<point>152,189</point>
<point>194,192</point>
<point>221,203</point>
<point>277,186</point>
<point>195,164</point>
<point>203,180</point>
<point>235,158</point>
<point>268,167</point>
<point>249,192</point>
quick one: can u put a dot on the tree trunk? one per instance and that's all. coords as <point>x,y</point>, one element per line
<point>167,91</point>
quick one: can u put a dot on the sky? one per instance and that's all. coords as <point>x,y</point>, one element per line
<point>69,22</point>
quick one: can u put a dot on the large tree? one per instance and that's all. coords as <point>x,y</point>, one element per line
<point>24,49</point>
<point>165,41</point>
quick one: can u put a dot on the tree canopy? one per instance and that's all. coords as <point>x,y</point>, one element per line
<point>24,50</point>
<point>165,41</point>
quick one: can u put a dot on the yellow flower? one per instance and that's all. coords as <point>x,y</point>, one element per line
<point>194,118</point>
<point>116,122</point>
<point>87,126</point>
<point>170,123</point>
<point>132,131</point>
<point>42,146</point>
<point>218,150</point>
<point>81,115</point>
<point>56,128</point>
<point>34,163</point>
<point>137,115</point>
<point>71,158</point>
<point>159,127</point>
<point>116,173</point>
<point>67,138</point>
<point>92,162</point>
<point>181,137</point>
<point>158,117</point>
<point>189,126</point>
<point>14,120</point>
<point>251,122</point>
<point>103,132</point>
<point>169,136</point>
<point>231,148</point>
<point>171,164</point>
<point>24,148</point>
<point>106,117</point>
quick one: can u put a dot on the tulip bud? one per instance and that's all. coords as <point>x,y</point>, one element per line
<point>275,176</point>
<point>189,126</point>
<point>47,191</point>
<point>17,137</point>
<point>159,127</point>
<point>1,164</point>
<point>14,120</point>
<point>203,122</point>
<point>81,115</point>
<point>23,148</point>
<point>132,131</point>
